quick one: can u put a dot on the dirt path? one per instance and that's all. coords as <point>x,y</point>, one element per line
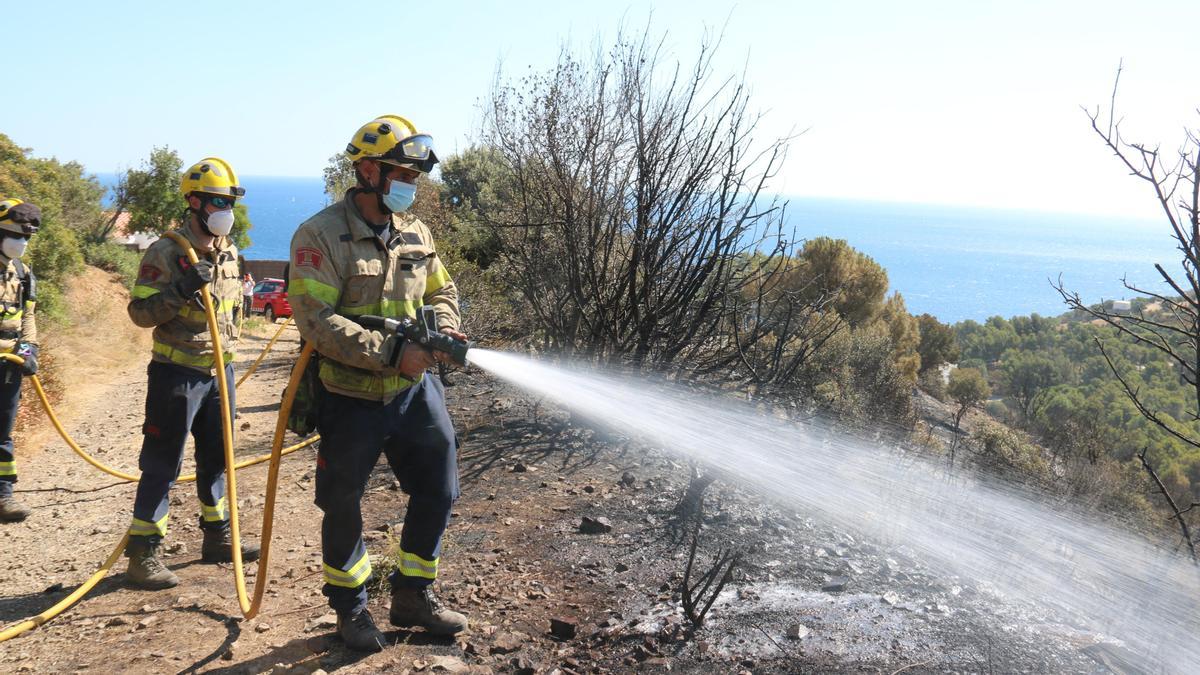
<point>514,560</point>
<point>79,514</point>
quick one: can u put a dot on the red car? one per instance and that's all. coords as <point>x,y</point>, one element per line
<point>270,300</point>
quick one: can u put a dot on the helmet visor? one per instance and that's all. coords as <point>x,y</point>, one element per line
<point>415,151</point>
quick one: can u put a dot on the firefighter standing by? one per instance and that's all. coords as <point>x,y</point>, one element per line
<point>182,395</point>
<point>363,255</point>
<point>18,334</point>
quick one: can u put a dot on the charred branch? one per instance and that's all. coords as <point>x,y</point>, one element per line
<point>698,597</point>
<point>1177,513</point>
<point>1133,395</point>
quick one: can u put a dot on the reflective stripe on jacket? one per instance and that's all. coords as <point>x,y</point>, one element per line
<point>181,325</point>
<point>16,314</point>
<point>336,255</point>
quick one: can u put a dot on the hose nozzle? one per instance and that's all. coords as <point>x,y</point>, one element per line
<point>423,332</point>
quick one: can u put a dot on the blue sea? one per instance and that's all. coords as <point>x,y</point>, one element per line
<point>953,262</point>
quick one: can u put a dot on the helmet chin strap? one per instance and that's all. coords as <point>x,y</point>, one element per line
<point>377,189</point>
<point>201,217</point>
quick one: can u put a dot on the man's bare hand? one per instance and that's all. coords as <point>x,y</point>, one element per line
<point>443,357</point>
<point>414,360</point>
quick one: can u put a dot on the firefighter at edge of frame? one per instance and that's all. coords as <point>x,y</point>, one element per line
<point>18,334</point>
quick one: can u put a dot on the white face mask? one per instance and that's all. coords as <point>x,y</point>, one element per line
<point>14,247</point>
<point>220,223</point>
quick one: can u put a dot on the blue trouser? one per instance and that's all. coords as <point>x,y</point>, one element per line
<point>414,431</point>
<point>180,401</point>
<point>10,398</point>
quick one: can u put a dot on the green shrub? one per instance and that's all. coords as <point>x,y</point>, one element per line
<point>51,305</point>
<point>55,255</point>
<point>112,257</point>
<point>1004,450</point>
<point>931,383</point>
<point>997,409</point>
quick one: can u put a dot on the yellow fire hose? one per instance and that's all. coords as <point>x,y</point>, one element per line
<point>62,605</point>
<point>239,574</point>
<point>254,366</point>
<point>249,608</point>
<point>41,392</point>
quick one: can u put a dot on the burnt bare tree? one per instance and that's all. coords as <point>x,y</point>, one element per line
<point>1174,330</point>
<point>775,326</point>
<point>637,201</point>
<point>690,507</point>
<point>699,589</point>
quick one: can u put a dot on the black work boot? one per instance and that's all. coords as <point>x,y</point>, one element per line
<point>11,510</point>
<point>358,631</point>
<point>218,547</point>
<point>420,607</point>
<point>146,570</point>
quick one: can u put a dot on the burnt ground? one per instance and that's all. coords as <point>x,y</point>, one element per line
<point>806,597</point>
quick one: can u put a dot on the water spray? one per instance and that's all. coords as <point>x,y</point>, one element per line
<point>1097,578</point>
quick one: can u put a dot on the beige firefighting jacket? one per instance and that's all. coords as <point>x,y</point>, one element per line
<point>16,313</point>
<point>337,260</point>
<point>180,324</point>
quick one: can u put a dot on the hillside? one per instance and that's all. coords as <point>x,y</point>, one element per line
<point>809,597</point>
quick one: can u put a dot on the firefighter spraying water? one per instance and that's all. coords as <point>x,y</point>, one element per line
<point>366,255</point>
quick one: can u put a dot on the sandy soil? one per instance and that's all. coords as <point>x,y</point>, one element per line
<point>515,559</point>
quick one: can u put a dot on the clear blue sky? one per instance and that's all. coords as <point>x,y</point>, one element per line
<point>945,102</point>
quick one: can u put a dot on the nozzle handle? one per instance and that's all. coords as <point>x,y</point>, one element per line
<point>379,323</point>
<point>419,333</point>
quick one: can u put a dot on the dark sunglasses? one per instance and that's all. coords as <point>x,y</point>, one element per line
<point>221,202</point>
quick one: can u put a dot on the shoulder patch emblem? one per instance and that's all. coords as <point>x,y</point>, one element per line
<point>149,273</point>
<point>184,264</point>
<point>308,257</point>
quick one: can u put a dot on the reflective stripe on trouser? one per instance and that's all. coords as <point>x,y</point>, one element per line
<point>180,401</point>
<point>413,565</point>
<point>414,432</point>
<point>217,513</point>
<point>354,573</point>
<point>10,398</point>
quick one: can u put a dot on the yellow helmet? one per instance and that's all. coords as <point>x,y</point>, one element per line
<point>394,140</point>
<point>211,175</point>
<point>18,217</point>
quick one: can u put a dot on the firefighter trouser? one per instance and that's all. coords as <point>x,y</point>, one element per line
<point>10,398</point>
<point>180,400</point>
<point>413,430</point>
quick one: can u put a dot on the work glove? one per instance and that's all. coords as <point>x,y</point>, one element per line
<point>196,277</point>
<point>29,353</point>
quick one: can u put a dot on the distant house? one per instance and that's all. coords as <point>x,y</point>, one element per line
<point>1122,306</point>
<point>133,241</point>
<point>138,242</point>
